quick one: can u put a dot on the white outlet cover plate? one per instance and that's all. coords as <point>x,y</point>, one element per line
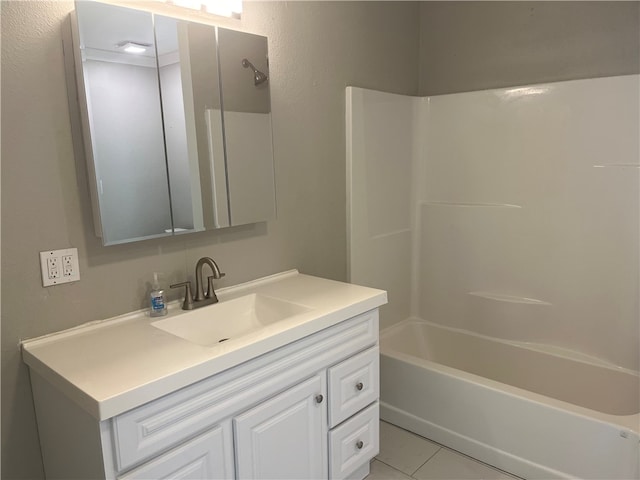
<point>75,269</point>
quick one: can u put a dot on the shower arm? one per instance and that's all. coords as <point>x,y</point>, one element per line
<point>258,76</point>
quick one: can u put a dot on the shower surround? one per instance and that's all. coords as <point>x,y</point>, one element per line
<point>512,214</point>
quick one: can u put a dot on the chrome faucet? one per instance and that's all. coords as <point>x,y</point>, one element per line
<point>201,298</point>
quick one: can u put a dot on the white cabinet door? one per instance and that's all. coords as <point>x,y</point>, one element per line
<point>285,436</point>
<point>208,456</point>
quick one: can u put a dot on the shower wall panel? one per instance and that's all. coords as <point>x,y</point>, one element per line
<point>513,213</point>
<point>529,215</point>
<point>380,197</point>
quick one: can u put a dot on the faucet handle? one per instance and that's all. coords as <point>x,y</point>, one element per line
<point>188,296</point>
<point>210,292</point>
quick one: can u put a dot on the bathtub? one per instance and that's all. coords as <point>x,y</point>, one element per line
<point>532,412</point>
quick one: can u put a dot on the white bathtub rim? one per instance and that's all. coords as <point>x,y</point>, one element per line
<point>537,347</point>
<point>629,423</point>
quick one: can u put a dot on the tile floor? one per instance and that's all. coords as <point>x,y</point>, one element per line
<point>406,456</point>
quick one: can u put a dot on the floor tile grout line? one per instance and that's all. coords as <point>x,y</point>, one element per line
<point>391,466</point>
<point>440,447</point>
<point>425,462</point>
<point>488,465</point>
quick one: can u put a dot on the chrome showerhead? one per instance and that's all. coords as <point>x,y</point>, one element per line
<point>258,76</point>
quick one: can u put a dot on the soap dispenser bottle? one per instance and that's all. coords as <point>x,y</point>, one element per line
<point>158,301</point>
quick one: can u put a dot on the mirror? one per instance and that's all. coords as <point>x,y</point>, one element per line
<point>244,71</point>
<point>176,123</point>
<point>180,45</point>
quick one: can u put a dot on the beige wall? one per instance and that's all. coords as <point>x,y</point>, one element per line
<point>468,46</point>
<point>316,50</point>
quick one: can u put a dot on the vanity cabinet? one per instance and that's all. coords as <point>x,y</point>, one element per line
<point>308,409</point>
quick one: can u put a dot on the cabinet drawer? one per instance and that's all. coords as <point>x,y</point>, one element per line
<point>207,456</point>
<point>354,443</point>
<point>353,384</point>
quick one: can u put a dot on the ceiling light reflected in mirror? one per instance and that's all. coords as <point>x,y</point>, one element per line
<point>133,47</point>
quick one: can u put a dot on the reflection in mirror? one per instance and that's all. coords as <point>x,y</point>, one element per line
<point>244,78</point>
<point>172,39</point>
<point>118,65</point>
<point>176,123</point>
<point>202,104</point>
<point>189,82</point>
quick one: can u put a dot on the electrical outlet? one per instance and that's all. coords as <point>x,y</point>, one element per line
<point>53,268</point>
<point>59,266</point>
<point>67,265</point>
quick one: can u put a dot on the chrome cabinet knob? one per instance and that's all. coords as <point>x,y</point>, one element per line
<point>359,386</point>
<point>319,398</point>
<point>359,444</point>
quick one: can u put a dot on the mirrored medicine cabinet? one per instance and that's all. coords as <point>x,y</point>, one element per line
<point>176,123</point>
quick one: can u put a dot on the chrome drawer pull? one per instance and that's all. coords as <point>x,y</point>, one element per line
<point>359,444</point>
<point>359,386</point>
<point>319,398</point>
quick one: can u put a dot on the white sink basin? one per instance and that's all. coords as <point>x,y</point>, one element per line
<point>229,319</point>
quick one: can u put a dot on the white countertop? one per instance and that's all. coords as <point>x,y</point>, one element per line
<point>114,365</point>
